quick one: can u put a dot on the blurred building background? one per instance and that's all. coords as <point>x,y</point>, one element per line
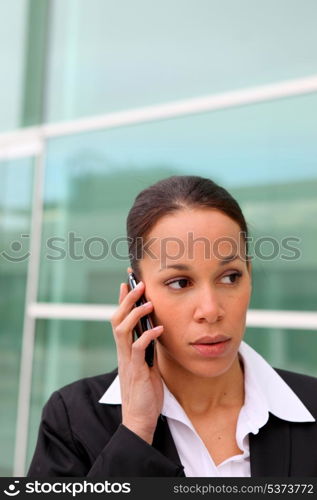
<point>98,100</point>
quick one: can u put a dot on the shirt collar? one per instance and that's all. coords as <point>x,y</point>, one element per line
<point>265,384</point>
<point>264,387</point>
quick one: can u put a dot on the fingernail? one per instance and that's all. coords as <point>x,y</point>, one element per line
<point>147,304</point>
<point>139,285</point>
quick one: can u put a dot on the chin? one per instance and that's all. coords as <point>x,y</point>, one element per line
<point>205,368</point>
<point>209,369</point>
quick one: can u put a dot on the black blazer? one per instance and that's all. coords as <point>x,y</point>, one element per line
<point>81,437</point>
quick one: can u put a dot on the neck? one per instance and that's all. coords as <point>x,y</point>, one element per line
<point>202,395</point>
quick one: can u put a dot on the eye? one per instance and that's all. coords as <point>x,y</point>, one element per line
<point>232,277</point>
<point>181,281</point>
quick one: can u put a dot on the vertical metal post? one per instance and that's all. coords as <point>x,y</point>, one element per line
<point>25,383</point>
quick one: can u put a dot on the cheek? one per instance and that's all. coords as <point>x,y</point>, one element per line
<point>238,307</point>
<point>174,319</point>
<point>167,314</point>
<point>246,296</point>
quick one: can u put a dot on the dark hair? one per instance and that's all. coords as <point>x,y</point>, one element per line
<point>172,194</point>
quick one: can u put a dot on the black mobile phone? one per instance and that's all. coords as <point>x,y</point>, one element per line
<point>145,322</point>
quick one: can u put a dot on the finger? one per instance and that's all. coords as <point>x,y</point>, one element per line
<point>123,333</point>
<point>123,346</point>
<point>124,290</point>
<point>139,346</point>
<point>128,301</point>
<point>132,318</point>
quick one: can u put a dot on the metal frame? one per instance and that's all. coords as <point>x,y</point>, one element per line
<point>32,142</point>
<point>174,109</point>
<point>256,318</point>
<point>25,382</point>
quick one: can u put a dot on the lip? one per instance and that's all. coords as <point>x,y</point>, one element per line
<point>208,339</point>
<point>212,347</point>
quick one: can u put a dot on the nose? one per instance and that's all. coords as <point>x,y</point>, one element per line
<point>208,306</point>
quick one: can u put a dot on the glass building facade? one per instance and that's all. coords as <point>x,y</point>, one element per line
<point>100,99</point>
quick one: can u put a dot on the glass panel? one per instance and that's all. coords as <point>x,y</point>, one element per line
<point>15,215</point>
<point>107,56</point>
<point>35,65</point>
<point>293,350</point>
<point>265,154</point>
<point>66,351</point>
<point>13,16</point>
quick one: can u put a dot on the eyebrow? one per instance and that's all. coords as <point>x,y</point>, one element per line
<point>184,267</point>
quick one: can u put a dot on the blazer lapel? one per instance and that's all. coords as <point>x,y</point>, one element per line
<point>270,449</point>
<point>163,441</point>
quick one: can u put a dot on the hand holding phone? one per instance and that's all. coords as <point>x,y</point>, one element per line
<point>145,322</point>
<point>141,385</point>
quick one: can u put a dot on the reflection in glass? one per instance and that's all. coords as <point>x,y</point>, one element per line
<point>66,351</point>
<point>15,217</point>
<point>13,21</point>
<point>106,56</point>
<point>264,154</point>
<point>291,350</point>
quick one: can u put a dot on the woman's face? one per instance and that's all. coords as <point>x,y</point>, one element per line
<point>197,295</point>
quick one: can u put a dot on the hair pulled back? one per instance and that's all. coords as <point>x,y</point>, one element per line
<point>169,195</point>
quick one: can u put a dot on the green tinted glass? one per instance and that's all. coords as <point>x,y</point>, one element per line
<point>293,350</point>
<point>13,32</point>
<point>15,215</point>
<point>66,351</point>
<point>264,154</point>
<point>107,56</point>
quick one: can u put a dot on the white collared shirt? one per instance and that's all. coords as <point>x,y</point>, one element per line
<point>265,391</point>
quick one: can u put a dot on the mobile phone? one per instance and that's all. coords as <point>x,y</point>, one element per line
<point>145,323</point>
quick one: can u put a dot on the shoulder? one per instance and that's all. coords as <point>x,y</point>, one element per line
<point>81,397</point>
<point>304,386</point>
<point>91,387</point>
<point>74,410</point>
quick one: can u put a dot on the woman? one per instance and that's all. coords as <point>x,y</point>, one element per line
<point>210,405</point>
